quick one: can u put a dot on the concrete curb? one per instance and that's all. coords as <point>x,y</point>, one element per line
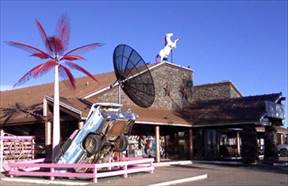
<point>219,162</point>
<point>284,164</point>
<point>190,179</point>
<point>165,164</point>
<point>44,181</point>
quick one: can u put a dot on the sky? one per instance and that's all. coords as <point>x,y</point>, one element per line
<point>241,41</point>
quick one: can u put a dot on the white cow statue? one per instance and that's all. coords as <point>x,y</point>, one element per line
<point>169,44</point>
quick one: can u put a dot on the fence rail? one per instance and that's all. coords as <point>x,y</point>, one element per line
<point>58,170</point>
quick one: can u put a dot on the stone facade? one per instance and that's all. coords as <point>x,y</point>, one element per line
<point>173,88</point>
<point>211,91</point>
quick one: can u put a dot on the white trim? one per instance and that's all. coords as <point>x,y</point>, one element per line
<point>69,107</point>
<point>184,180</point>
<point>101,91</point>
<point>161,123</point>
<point>280,97</point>
<point>179,66</point>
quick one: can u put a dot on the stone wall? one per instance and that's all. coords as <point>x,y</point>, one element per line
<point>215,91</point>
<point>234,93</point>
<point>172,87</point>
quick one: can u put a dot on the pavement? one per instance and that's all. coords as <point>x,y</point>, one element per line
<point>216,175</point>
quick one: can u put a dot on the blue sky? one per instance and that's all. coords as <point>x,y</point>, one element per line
<point>241,41</point>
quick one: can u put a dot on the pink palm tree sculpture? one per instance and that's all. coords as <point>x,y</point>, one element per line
<point>58,58</point>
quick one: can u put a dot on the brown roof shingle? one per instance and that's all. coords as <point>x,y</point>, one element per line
<point>227,111</point>
<point>30,97</point>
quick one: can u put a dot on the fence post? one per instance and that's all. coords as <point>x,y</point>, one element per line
<point>95,173</point>
<point>12,168</point>
<point>110,160</point>
<point>125,169</point>
<point>33,148</point>
<point>152,167</point>
<point>51,171</point>
<point>1,150</point>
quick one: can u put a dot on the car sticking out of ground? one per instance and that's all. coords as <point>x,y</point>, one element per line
<point>103,133</point>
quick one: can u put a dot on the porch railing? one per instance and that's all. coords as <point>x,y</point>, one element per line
<point>60,170</point>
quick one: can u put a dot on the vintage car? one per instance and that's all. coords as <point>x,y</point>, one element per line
<point>103,133</point>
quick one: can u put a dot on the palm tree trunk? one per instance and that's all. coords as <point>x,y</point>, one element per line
<point>56,115</point>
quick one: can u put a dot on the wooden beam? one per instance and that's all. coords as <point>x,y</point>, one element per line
<point>157,137</point>
<point>191,144</point>
<point>238,143</point>
<point>48,125</point>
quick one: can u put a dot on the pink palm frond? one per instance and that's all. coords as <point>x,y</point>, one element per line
<point>56,45</point>
<point>41,55</point>
<point>28,48</point>
<point>43,36</point>
<point>72,57</point>
<point>63,31</point>
<point>84,48</point>
<point>65,73</point>
<point>26,76</point>
<point>81,69</point>
<point>45,67</point>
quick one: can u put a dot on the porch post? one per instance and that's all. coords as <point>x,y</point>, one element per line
<point>157,136</point>
<point>80,124</point>
<point>47,124</point>
<point>191,144</point>
<point>238,143</point>
<point>1,150</point>
<point>282,138</point>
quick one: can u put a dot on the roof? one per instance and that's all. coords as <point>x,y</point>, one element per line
<point>157,116</point>
<point>25,105</point>
<point>30,98</point>
<point>282,130</point>
<point>239,110</point>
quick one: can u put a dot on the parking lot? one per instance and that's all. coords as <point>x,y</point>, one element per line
<point>217,175</point>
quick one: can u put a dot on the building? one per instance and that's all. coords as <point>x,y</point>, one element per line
<point>186,121</point>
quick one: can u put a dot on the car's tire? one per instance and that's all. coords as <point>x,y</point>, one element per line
<point>121,143</point>
<point>92,144</point>
<point>283,152</point>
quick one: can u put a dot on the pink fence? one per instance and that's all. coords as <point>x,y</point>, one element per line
<point>16,148</point>
<point>57,170</point>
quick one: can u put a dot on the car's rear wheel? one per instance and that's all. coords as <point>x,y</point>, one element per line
<point>121,143</point>
<point>92,144</point>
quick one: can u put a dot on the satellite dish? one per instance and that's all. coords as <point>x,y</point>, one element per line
<point>133,76</point>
